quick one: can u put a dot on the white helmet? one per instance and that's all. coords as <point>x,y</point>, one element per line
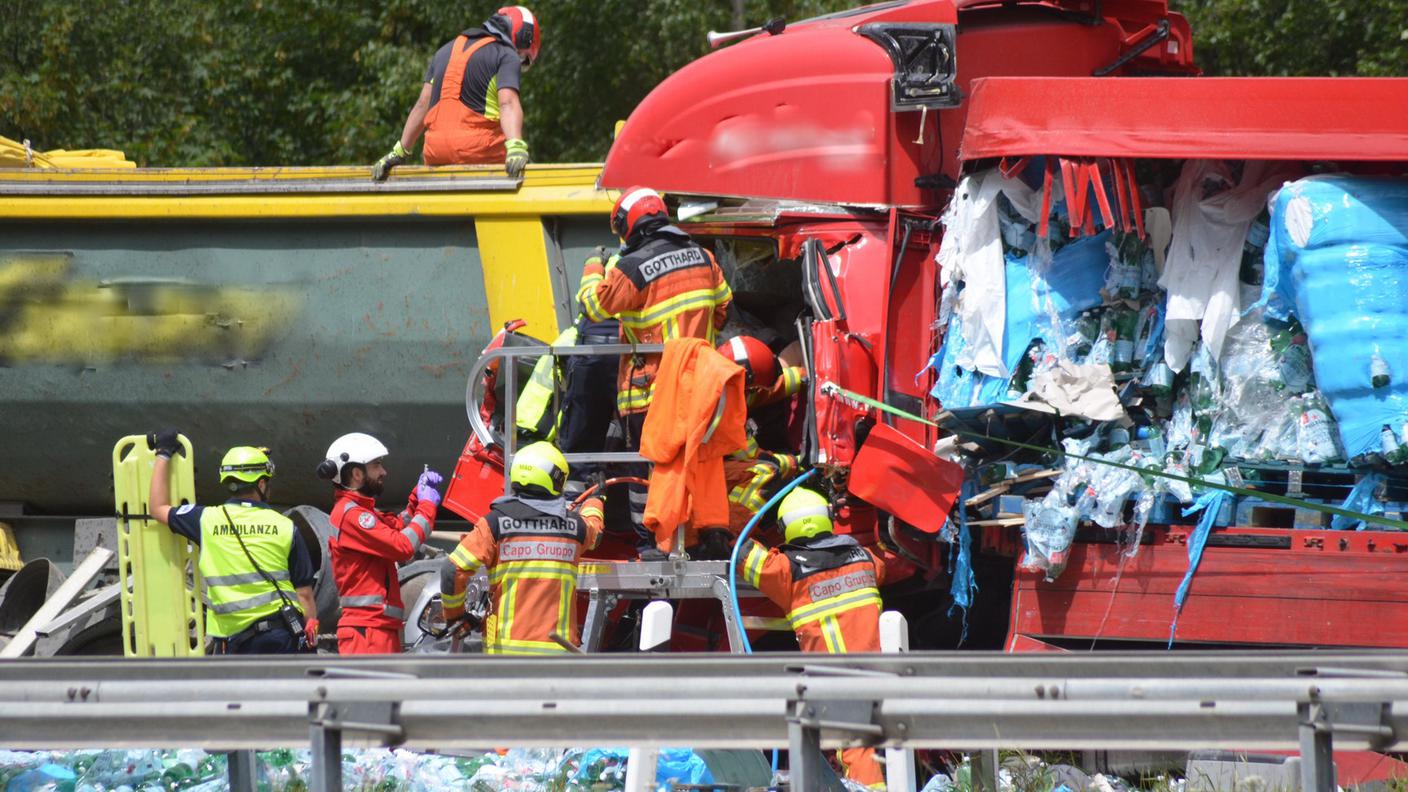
<point>355,448</point>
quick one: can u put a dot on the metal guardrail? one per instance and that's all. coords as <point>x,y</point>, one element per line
<point>1238,701</point>
<point>509,373</point>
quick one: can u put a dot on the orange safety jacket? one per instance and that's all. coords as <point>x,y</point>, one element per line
<point>454,133</point>
<point>696,420</point>
<point>829,587</point>
<point>664,287</point>
<point>530,548</point>
<point>364,552</point>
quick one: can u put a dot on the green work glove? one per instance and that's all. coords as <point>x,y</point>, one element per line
<point>517,157</point>
<point>383,166</point>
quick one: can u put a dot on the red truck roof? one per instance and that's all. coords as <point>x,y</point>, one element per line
<point>1281,118</point>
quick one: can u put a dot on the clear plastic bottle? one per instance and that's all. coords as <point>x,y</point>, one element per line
<point>1315,430</point>
<point>1124,328</point>
<point>1254,250</point>
<point>1292,351</point>
<point>1379,374</point>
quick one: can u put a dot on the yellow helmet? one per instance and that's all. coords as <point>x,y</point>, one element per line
<point>804,513</point>
<point>243,465</point>
<point>539,465</point>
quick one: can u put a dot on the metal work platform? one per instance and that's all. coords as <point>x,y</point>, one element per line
<point>606,583</point>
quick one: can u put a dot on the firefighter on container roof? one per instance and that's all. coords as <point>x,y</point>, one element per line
<point>663,286</point>
<point>258,578</point>
<point>369,543</point>
<point>828,585</point>
<point>752,472</point>
<point>530,543</point>
<point>468,107</point>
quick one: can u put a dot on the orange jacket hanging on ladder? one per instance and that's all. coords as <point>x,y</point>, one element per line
<point>454,133</point>
<point>697,417</point>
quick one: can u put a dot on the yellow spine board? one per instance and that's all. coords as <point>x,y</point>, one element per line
<point>162,610</point>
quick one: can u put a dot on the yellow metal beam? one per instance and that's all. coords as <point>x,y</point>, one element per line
<point>546,191</point>
<point>513,253</point>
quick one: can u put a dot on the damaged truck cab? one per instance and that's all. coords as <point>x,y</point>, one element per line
<point>816,161</point>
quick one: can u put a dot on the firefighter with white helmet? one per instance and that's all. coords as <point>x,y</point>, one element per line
<point>369,543</point>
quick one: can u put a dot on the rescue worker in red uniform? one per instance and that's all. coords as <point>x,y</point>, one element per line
<point>530,542</point>
<point>369,543</point>
<point>663,286</point>
<point>468,107</point>
<point>829,587</point>
<point>752,472</point>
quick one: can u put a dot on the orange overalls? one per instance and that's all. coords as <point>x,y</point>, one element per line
<point>663,288</point>
<point>455,134</point>
<point>828,586</point>
<point>531,548</point>
<point>696,419</point>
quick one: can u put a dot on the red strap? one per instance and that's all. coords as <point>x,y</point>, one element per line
<point>1121,194</point>
<point>1102,198</point>
<point>453,81</point>
<point>1074,211</point>
<point>1010,167</point>
<point>1135,202</point>
<point>1043,229</point>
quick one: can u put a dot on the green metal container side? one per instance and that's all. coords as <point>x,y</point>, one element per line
<point>282,334</point>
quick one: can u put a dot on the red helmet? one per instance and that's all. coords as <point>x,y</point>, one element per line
<point>635,205</point>
<point>755,358</point>
<point>517,25</point>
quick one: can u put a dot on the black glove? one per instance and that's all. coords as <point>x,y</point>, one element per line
<point>166,443</point>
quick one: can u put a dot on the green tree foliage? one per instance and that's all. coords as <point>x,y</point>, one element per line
<point>309,82</point>
<point>1299,37</point>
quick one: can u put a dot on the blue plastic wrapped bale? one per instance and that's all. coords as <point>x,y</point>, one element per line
<point>1337,259</point>
<point>957,387</point>
<point>1072,281</point>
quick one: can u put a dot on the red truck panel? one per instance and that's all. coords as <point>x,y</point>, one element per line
<point>1328,588</point>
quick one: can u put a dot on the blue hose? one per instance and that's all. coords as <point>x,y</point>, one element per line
<point>738,545</point>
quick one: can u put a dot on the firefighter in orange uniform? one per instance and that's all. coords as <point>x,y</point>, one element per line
<point>751,472</point>
<point>663,286</point>
<point>468,106</point>
<point>369,543</point>
<point>530,543</point>
<point>828,585</point>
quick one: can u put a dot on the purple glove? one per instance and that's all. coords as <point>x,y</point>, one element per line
<point>425,487</point>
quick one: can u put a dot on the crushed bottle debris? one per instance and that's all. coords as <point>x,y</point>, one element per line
<point>1311,292</point>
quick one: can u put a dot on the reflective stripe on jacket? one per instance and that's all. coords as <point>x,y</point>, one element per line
<point>829,588</point>
<point>236,595</point>
<point>664,287</point>
<point>531,555</point>
<point>364,554</point>
<point>534,411</point>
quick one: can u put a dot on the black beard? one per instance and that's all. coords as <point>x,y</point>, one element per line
<point>372,488</point>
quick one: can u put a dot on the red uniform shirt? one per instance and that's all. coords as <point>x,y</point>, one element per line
<point>365,551</point>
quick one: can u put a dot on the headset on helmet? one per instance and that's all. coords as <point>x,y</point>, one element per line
<point>754,356</point>
<point>804,513</point>
<point>539,465</point>
<point>635,205</point>
<point>355,448</point>
<point>243,466</point>
<point>520,28</point>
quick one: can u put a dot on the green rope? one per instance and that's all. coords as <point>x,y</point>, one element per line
<point>1243,491</point>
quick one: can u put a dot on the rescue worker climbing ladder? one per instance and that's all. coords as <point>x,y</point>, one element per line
<point>530,543</point>
<point>828,585</point>
<point>664,286</point>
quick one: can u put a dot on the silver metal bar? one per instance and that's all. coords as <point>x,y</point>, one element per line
<point>327,755</point>
<point>67,592</point>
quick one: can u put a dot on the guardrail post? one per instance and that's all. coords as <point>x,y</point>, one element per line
<point>242,769</point>
<point>983,769</point>
<point>1317,757</point>
<point>899,762</point>
<point>327,753</point>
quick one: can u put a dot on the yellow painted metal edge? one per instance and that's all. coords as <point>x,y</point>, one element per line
<point>546,191</point>
<point>553,173</point>
<point>512,290</point>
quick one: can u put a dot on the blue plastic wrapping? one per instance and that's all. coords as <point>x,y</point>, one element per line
<point>1072,282</point>
<point>1337,259</point>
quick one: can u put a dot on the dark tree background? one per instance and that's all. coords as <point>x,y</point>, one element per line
<point>307,82</point>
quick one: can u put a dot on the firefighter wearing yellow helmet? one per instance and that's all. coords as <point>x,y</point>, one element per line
<point>829,586</point>
<point>258,576</point>
<point>529,542</point>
